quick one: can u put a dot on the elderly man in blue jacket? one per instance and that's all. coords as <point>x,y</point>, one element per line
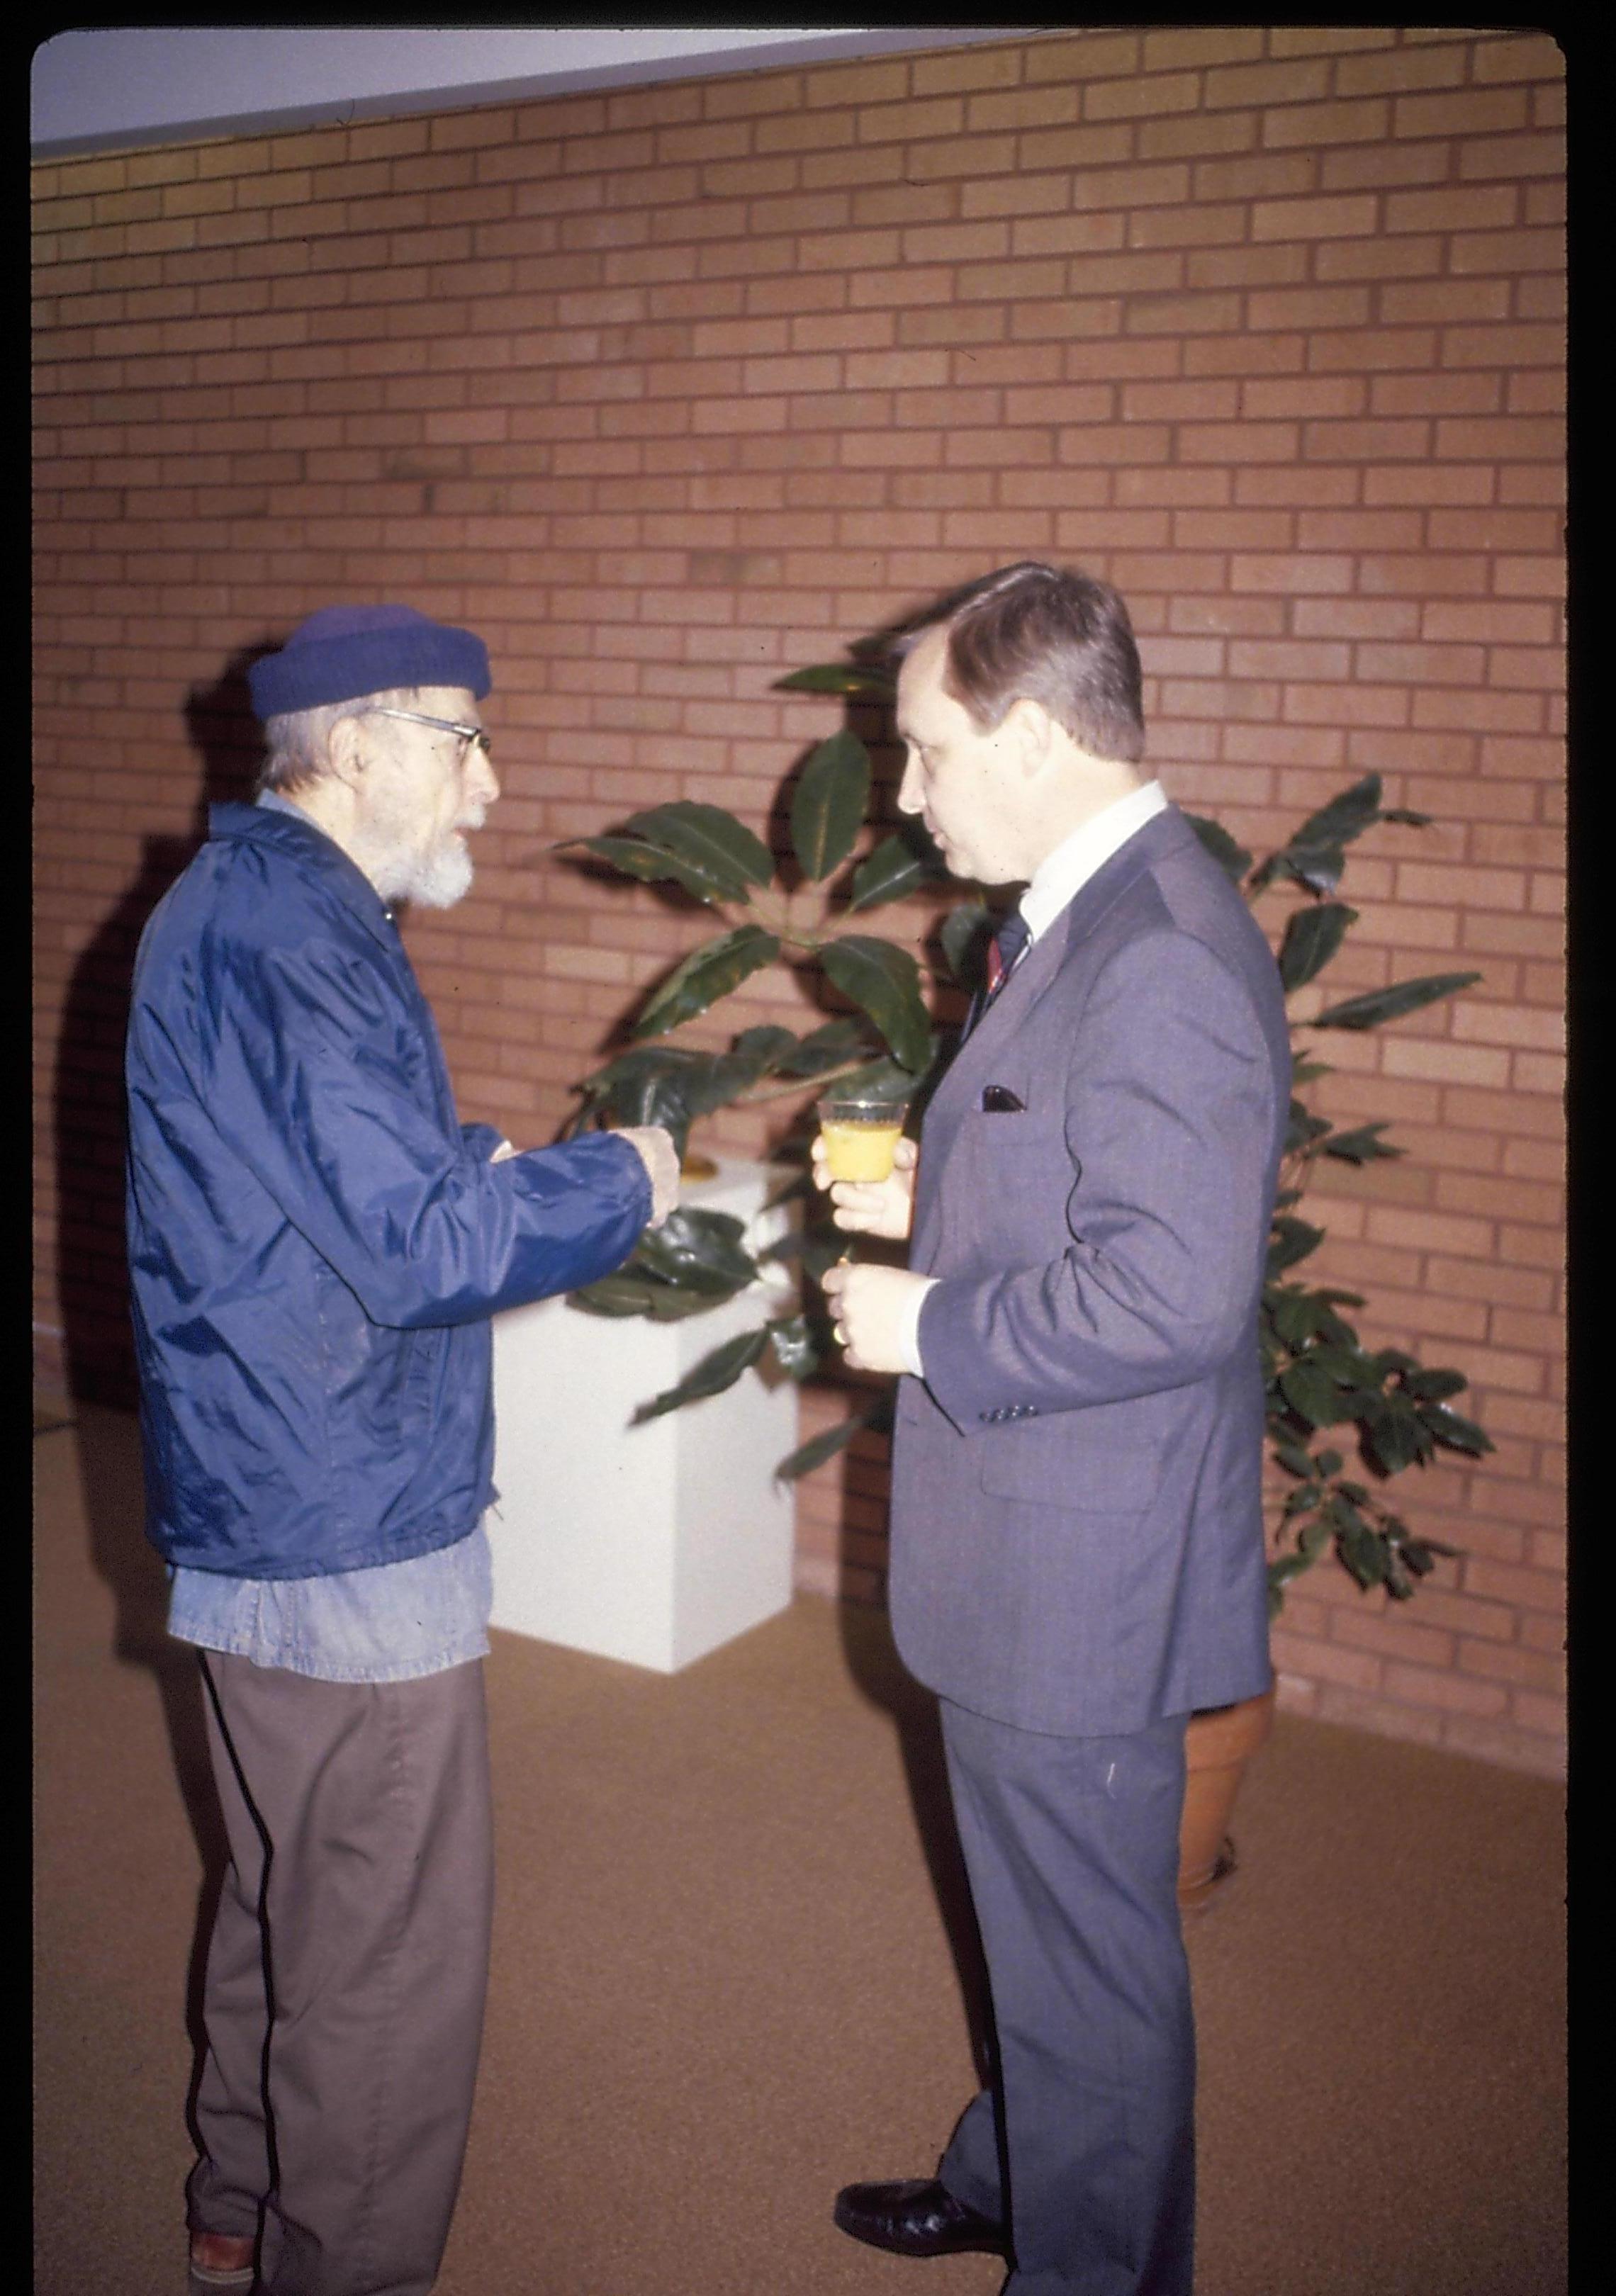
<point>317,1245</point>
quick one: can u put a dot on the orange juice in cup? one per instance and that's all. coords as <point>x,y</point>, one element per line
<point>860,1136</point>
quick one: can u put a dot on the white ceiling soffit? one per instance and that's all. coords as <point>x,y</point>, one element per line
<point>95,91</point>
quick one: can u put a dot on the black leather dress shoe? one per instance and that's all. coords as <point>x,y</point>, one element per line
<point>917,2217</point>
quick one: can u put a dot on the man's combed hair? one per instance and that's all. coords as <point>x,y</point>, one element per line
<point>1051,636</point>
<point>297,742</point>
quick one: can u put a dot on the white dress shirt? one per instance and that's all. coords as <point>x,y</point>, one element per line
<point>1057,881</point>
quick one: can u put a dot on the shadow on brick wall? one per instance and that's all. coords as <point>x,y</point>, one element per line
<point>92,1278</point>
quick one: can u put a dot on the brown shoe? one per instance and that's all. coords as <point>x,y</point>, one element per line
<point>221,2263</point>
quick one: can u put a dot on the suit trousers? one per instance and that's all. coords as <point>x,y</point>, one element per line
<point>346,1973</point>
<point>1084,2146</point>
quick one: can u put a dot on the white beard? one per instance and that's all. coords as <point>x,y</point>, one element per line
<point>433,881</point>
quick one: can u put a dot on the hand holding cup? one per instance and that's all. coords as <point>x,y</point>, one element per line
<point>861,1156</point>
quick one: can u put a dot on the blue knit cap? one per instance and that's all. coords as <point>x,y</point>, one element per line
<point>344,652</point>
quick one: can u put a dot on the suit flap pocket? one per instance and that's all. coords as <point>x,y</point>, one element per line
<point>1040,1460</point>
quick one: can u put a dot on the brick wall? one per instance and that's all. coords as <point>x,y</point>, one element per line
<point>669,390</point>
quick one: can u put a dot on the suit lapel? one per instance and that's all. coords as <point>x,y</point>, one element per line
<point>1163,833</point>
<point>985,1049</point>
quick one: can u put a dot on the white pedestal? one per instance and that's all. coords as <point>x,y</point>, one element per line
<point>657,1542</point>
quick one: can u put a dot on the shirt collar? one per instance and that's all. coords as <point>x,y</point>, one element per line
<point>1062,875</point>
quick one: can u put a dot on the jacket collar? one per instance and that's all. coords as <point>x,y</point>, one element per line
<point>1163,833</point>
<point>303,842</point>
<point>1167,832</point>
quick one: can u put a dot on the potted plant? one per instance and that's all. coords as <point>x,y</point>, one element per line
<point>1343,1420</point>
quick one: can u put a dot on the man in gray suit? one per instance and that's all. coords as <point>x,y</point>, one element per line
<point>1077,1549</point>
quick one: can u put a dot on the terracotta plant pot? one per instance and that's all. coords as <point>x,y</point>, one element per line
<point>1218,1745</point>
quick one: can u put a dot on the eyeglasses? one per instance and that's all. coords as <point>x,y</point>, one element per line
<point>474,736</point>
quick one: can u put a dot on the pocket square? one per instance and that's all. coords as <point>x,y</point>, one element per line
<point>998,1100</point>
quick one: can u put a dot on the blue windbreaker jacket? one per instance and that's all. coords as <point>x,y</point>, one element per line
<point>315,1242</point>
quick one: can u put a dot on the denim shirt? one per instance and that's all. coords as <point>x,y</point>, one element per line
<point>389,1624</point>
<point>393,1623</point>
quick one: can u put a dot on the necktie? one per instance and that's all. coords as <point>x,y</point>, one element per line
<point>1010,939</point>
<point>1003,950</point>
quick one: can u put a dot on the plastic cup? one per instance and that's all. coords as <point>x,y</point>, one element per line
<point>860,1135</point>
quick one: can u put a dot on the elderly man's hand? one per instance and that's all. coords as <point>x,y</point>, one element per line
<point>656,1151</point>
<point>871,1306</point>
<point>872,1207</point>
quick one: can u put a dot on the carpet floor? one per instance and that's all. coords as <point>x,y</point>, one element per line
<point>733,1969</point>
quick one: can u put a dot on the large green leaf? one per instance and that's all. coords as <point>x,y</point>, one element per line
<point>1364,1554</point>
<point>1311,1392</point>
<point>826,1444</point>
<point>715,1373</point>
<point>1433,1385</point>
<point>1316,854</point>
<point>964,934</point>
<point>1454,1432</point>
<point>1395,1434</point>
<point>1300,1315</point>
<point>837,678</point>
<point>893,869</point>
<point>710,839</point>
<point>701,1251</point>
<point>1302,1128</point>
<point>829,803</point>
<point>1345,817</point>
<point>1290,1240</point>
<point>651,863</point>
<point>1232,858</point>
<point>763,1047</point>
<point>830,1047</point>
<point>885,981</point>
<point>1384,1361</point>
<point>706,974</point>
<point>793,1345</point>
<point>1280,1572</point>
<point>1311,939</point>
<point>1361,1146</point>
<point>659,1084</point>
<point>1377,1004</point>
<point>1293,1456</point>
<point>753,1054</point>
<point>620,1294</point>
<point>880,1079</point>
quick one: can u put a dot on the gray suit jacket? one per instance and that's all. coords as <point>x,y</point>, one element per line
<point>1077,1535</point>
